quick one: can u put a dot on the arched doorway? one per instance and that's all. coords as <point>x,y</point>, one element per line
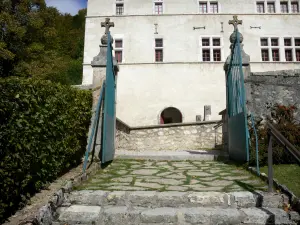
<point>170,115</point>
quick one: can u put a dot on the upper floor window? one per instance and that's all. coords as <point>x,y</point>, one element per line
<point>211,49</point>
<point>294,7</point>
<point>271,7</point>
<point>214,7</point>
<point>119,50</point>
<point>119,8</point>
<point>203,7</point>
<point>158,7</point>
<point>269,47</point>
<point>208,7</point>
<point>159,50</point>
<point>284,7</point>
<point>260,7</point>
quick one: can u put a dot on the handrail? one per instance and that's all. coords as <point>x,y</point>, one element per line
<point>274,133</point>
<point>284,142</point>
<point>94,127</point>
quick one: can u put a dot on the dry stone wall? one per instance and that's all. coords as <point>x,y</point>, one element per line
<point>168,137</point>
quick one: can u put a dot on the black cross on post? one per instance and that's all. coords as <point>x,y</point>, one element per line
<point>235,22</point>
<point>107,25</point>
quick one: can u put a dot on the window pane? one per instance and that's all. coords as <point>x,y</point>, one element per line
<point>214,7</point>
<point>120,9</point>
<point>202,7</point>
<point>274,41</point>
<point>271,7</point>
<point>288,55</point>
<point>284,7</point>
<point>206,55</point>
<point>205,41</point>
<point>260,7</point>
<point>295,7</point>
<point>216,42</point>
<point>217,54</point>
<point>265,55</point>
<point>118,43</point>
<point>275,54</point>
<point>287,42</point>
<point>118,56</point>
<point>158,8</point>
<point>158,42</point>
<point>297,41</point>
<point>158,55</point>
<point>264,42</point>
<point>298,55</point>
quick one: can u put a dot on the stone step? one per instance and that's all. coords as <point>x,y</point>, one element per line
<point>174,199</point>
<point>196,155</point>
<point>115,215</point>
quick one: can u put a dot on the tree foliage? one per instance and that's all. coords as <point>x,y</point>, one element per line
<point>38,41</point>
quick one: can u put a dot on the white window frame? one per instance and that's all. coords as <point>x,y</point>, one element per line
<point>291,6</point>
<point>115,7</point>
<point>288,6</point>
<point>267,8</point>
<point>208,6</point>
<point>269,47</point>
<point>264,3</point>
<point>163,6</point>
<point>211,48</point>
<point>159,48</point>
<point>116,38</point>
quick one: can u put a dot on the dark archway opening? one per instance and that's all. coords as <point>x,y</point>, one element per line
<point>170,115</point>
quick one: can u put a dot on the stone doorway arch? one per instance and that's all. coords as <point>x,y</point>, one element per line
<point>170,115</point>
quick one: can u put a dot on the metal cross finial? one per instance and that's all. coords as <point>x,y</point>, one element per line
<point>235,22</point>
<point>107,25</point>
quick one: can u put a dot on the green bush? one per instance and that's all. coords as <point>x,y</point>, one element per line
<point>283,118</point>
<point>43,133</point>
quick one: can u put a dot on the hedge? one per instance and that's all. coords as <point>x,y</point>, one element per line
<point>43,133</point>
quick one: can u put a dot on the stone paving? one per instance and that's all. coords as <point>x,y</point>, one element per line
<point>141,175</point>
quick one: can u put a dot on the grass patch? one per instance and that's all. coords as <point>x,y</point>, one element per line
<point>288,175</point>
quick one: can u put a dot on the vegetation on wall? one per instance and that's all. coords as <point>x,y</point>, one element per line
<point>283,118</point>
<point>37,41</point>
<point>43,133</point>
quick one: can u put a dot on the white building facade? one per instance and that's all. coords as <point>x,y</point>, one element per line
<point>171,52</point>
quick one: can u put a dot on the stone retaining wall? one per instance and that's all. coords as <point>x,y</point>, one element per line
<point>190,136</point>
<point>268,88</point>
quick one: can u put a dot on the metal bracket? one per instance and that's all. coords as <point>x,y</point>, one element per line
<point>222,30</point>
<point>195,28</point>
<point>155,28</point>
<point>255,27</point>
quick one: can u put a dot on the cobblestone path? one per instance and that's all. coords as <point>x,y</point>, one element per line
<point>141,175</point>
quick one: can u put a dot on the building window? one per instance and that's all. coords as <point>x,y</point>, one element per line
<point>275,54</point>
<point>158,7</point>
<point>260,7</point>
<point>288,55</point>
<point>211,49</point>
<point>119,50</point>
<point>284,7</point>
<point>297,41</point>
<point>214,7</point>
<point>274,41</point>
<point>217,54</point>
<point>203,7</point>
<point>159,50</point>
<point>298,55</point>
<point>264,41</point>
<point>119,8</point>
<point>294,7</point>
<point>271,7</point>
<point>206,55</point>
<point>265,55</point>
<point>270,47</point>
<point>287,42</point>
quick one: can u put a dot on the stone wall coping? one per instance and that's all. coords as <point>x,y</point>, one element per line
<point>285,73</point>
<point>175,125</point>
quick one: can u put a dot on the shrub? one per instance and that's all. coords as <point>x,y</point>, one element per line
<point>43,133</point>
<point>282,117</point>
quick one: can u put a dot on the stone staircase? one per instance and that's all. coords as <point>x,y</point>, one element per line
<point>181,208</point>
